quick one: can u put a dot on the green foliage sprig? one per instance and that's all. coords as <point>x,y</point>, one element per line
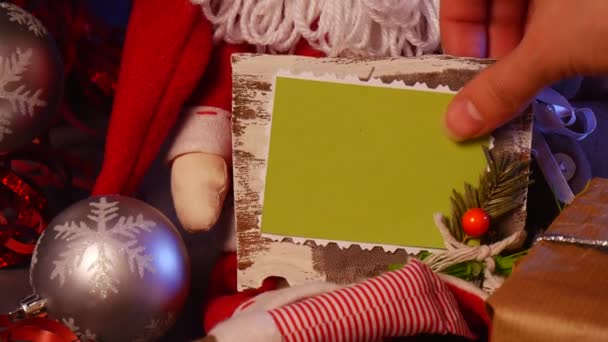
<point>499,192</point>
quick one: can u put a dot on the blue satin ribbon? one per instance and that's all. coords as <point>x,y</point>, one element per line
<point>553,114</point>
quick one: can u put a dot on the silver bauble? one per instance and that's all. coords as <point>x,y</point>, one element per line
<point>112,268</point>
<point>31,78</point>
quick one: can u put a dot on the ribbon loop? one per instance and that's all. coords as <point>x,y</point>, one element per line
<point>554,114</point>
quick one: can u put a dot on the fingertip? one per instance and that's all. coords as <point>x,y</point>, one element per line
<point>464,40</point>
<point>462,120</point>
<point>507,19</point>
<point>463,26</point>
<point>496,95</point>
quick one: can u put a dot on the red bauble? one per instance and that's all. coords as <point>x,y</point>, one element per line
<point>475,222</point>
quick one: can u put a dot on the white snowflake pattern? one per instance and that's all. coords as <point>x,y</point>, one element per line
<point>156,328</point>
<point>21,100</point>
<point>4,124</point>
<point>110,243</point>
<point>21,16</point>
<point>84,336</point>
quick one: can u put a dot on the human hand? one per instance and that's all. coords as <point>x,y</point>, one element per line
<point>199,183</point>
<point>537,43</point>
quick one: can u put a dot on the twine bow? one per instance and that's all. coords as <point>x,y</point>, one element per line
<point>457,252</point>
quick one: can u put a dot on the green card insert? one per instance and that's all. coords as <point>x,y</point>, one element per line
<point>362,163</point>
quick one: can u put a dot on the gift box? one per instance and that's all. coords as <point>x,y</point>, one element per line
<point>558,291</point>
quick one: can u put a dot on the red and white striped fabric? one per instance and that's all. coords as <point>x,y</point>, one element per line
<point>406,302</point>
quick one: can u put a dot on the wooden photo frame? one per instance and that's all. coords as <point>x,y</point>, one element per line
<point>296,260</point>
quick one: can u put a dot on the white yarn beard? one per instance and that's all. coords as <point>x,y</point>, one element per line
<point>369,28</point>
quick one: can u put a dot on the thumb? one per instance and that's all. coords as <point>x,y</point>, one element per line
<point>498,94</point>
<point>199,183</point>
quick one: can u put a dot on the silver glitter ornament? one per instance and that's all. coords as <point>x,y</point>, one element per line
<point>112,268</point>
<point>31,77</point>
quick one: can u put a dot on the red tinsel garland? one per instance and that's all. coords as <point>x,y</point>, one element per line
<point>18,235</point>
<point>90,52</point>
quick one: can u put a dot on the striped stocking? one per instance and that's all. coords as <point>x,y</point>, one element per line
<point>407,302</point>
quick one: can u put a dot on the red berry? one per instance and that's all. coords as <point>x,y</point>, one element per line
<point>475,222</point>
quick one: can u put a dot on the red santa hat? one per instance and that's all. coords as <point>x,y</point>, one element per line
<point>163,59</point>
<point>167,66</point>
<point>167,51</point>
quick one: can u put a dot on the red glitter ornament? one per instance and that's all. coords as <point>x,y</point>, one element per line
<point>475,222</point>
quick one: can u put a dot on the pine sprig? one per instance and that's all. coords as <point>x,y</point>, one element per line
<point>499,192</point>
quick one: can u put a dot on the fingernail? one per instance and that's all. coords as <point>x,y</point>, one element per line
<point>462,120</point>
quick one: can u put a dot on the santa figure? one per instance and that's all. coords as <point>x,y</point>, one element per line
<point>175,77</point>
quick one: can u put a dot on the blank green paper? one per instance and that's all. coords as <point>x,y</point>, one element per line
<point>362,163</point>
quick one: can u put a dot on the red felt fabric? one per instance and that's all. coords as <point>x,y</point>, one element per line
<point>222,296</point>
<point>215,90</point>
<point>166,51</point>
<point>223,276</point>
<point>186,76</point>
<point>473,309</point>
<point>162,64</point>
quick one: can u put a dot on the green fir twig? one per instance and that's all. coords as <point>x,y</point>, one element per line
<point>500,189</point>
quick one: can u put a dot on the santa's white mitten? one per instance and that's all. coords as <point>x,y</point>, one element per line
<point>199,183</point>
<point>406,302</point>
<point>200,173</point>
<point>202,150</point>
